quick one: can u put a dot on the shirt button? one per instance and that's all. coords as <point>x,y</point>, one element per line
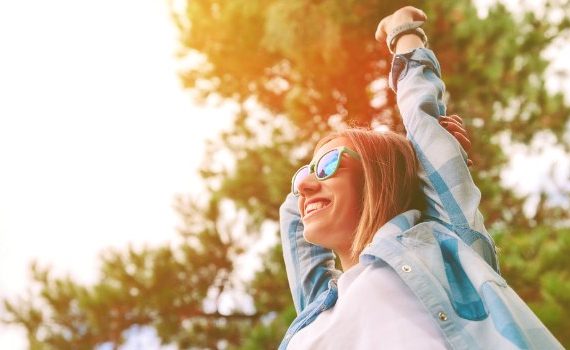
<point>442,316</point>
<point>406,268</point>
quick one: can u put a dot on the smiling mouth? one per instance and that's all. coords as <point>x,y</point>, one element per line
<point>316,207</point>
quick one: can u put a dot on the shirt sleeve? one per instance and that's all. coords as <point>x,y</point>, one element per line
<point>309,267</point>
<point>452,196</point>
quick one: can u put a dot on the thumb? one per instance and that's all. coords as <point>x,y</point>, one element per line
<point>419,15</point>
<point>380,34</point>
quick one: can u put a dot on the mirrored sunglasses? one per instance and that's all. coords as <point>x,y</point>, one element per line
<point>325,167</point>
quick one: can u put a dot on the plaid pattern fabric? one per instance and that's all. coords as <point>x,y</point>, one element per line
<point>444,254</point>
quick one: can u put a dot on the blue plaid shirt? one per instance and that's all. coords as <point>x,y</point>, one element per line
<point>444,254</point>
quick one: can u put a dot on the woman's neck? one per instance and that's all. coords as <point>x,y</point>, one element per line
<point>346,261</point>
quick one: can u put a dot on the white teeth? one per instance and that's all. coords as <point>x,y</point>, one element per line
<point>315,206</point>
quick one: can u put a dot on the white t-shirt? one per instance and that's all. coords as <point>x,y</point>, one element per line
<point>374,310</point>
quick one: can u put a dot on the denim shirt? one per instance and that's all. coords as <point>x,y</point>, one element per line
<point>444,255</point>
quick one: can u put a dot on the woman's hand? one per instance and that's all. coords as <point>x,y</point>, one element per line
<point>454,125</point>
<point>404,15</point>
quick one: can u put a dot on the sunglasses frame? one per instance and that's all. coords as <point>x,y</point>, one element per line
<point>312,165</point>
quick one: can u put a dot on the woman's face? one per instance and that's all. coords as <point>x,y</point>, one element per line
<point>330,209</point>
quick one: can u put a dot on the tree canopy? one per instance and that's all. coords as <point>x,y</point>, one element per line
<point>298,70</point>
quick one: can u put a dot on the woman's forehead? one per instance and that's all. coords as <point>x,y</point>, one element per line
<point>332,144</point>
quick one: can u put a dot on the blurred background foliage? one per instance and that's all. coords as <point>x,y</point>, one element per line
<point>296,70</point>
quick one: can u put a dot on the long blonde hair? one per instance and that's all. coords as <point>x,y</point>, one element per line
<point>391,184</point>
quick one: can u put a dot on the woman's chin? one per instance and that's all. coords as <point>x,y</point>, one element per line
<point>313,237</point>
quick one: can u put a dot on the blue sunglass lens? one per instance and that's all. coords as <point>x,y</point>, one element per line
<point>327,164</point>
<point>299,176</point>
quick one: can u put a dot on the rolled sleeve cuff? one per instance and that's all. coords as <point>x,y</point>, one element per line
<point>402,62</point>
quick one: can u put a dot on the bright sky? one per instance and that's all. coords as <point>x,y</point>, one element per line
<point>96,135</point>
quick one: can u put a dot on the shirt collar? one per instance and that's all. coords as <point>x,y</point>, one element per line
<point>393,228</point>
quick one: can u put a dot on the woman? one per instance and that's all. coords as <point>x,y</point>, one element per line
<point>411,279</point>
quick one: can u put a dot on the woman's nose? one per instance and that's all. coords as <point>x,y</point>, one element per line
<point>309,184</point>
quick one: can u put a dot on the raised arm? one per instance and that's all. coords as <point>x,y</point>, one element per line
<point>452,196</point>
<point>309,267</point>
